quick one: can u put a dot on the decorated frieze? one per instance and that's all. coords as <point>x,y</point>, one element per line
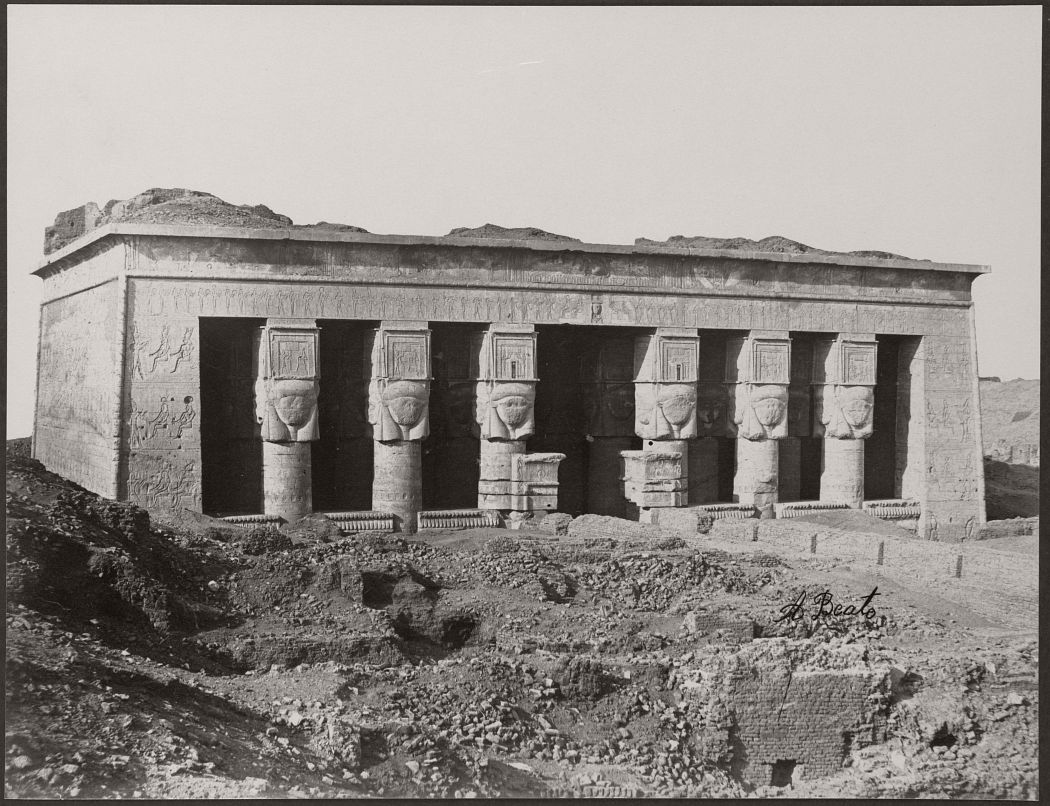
<point>398,367</point>
<point>555,270</point>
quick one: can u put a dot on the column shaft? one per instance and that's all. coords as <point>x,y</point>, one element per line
<point>397,483</point>
<point>494,483</point>
<point>287,480</point>
<point>757,474</point>
<point>842,476</point>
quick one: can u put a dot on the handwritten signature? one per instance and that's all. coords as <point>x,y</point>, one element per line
<point>825,608</point>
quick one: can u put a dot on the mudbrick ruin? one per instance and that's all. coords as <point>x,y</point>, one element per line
<point>310,511</point>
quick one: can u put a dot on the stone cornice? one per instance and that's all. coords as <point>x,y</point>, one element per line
<point>68,254</point>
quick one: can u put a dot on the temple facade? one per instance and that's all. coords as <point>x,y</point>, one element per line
<point>395,381</point>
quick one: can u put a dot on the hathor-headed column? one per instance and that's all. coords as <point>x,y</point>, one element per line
<point>757,376</point>
<point>286,390</point>
<point>607,390</point>
<point>843,399</point>
<point>398,359</point>
<point>503,360</point>
<point>665,369</point>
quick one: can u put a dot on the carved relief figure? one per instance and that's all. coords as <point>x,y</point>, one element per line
<point>146,426</point>
<point>163,355</point>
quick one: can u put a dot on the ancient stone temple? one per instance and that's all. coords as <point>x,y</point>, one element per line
<point>198,355</point>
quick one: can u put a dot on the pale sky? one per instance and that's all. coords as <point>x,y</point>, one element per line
<point>913,130</point>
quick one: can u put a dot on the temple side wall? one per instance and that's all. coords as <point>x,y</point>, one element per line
<point>77,415</point>
<point>954,503</point>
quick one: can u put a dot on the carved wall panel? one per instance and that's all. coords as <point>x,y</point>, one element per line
<point>78,387</point>
<point>161,440</point>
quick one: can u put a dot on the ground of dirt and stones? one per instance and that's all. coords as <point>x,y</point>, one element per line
<point>194,659</point>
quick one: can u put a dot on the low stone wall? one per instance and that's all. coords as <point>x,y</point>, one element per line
<point>790,710</point>
<point>1010,527</point>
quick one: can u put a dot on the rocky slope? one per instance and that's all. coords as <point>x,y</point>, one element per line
<point>203,660</point>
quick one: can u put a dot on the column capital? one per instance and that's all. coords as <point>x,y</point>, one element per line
<point>285,361</point>
<point>847,359</point>
<point>666,363</point>
<point>398,356</point>
<point>844,374</point>
<point>503,360</point>
<point>758,371</point>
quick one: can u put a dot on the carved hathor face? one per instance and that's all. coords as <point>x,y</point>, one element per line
<point>513,401</point>
<point>677,403</point>
<point>770,404</point>
<point>406,401</point>
<point>294,401</point>
<point>857,403</point>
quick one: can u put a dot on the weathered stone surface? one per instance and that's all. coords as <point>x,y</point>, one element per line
<point>171,206</point>
<point>773,243</point>
<point>510,233</point>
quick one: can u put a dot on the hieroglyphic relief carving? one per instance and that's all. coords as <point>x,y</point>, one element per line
<point>158,482</point>
<point>159,351</point>
<point>399,385</point>
<point>161,427</point>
